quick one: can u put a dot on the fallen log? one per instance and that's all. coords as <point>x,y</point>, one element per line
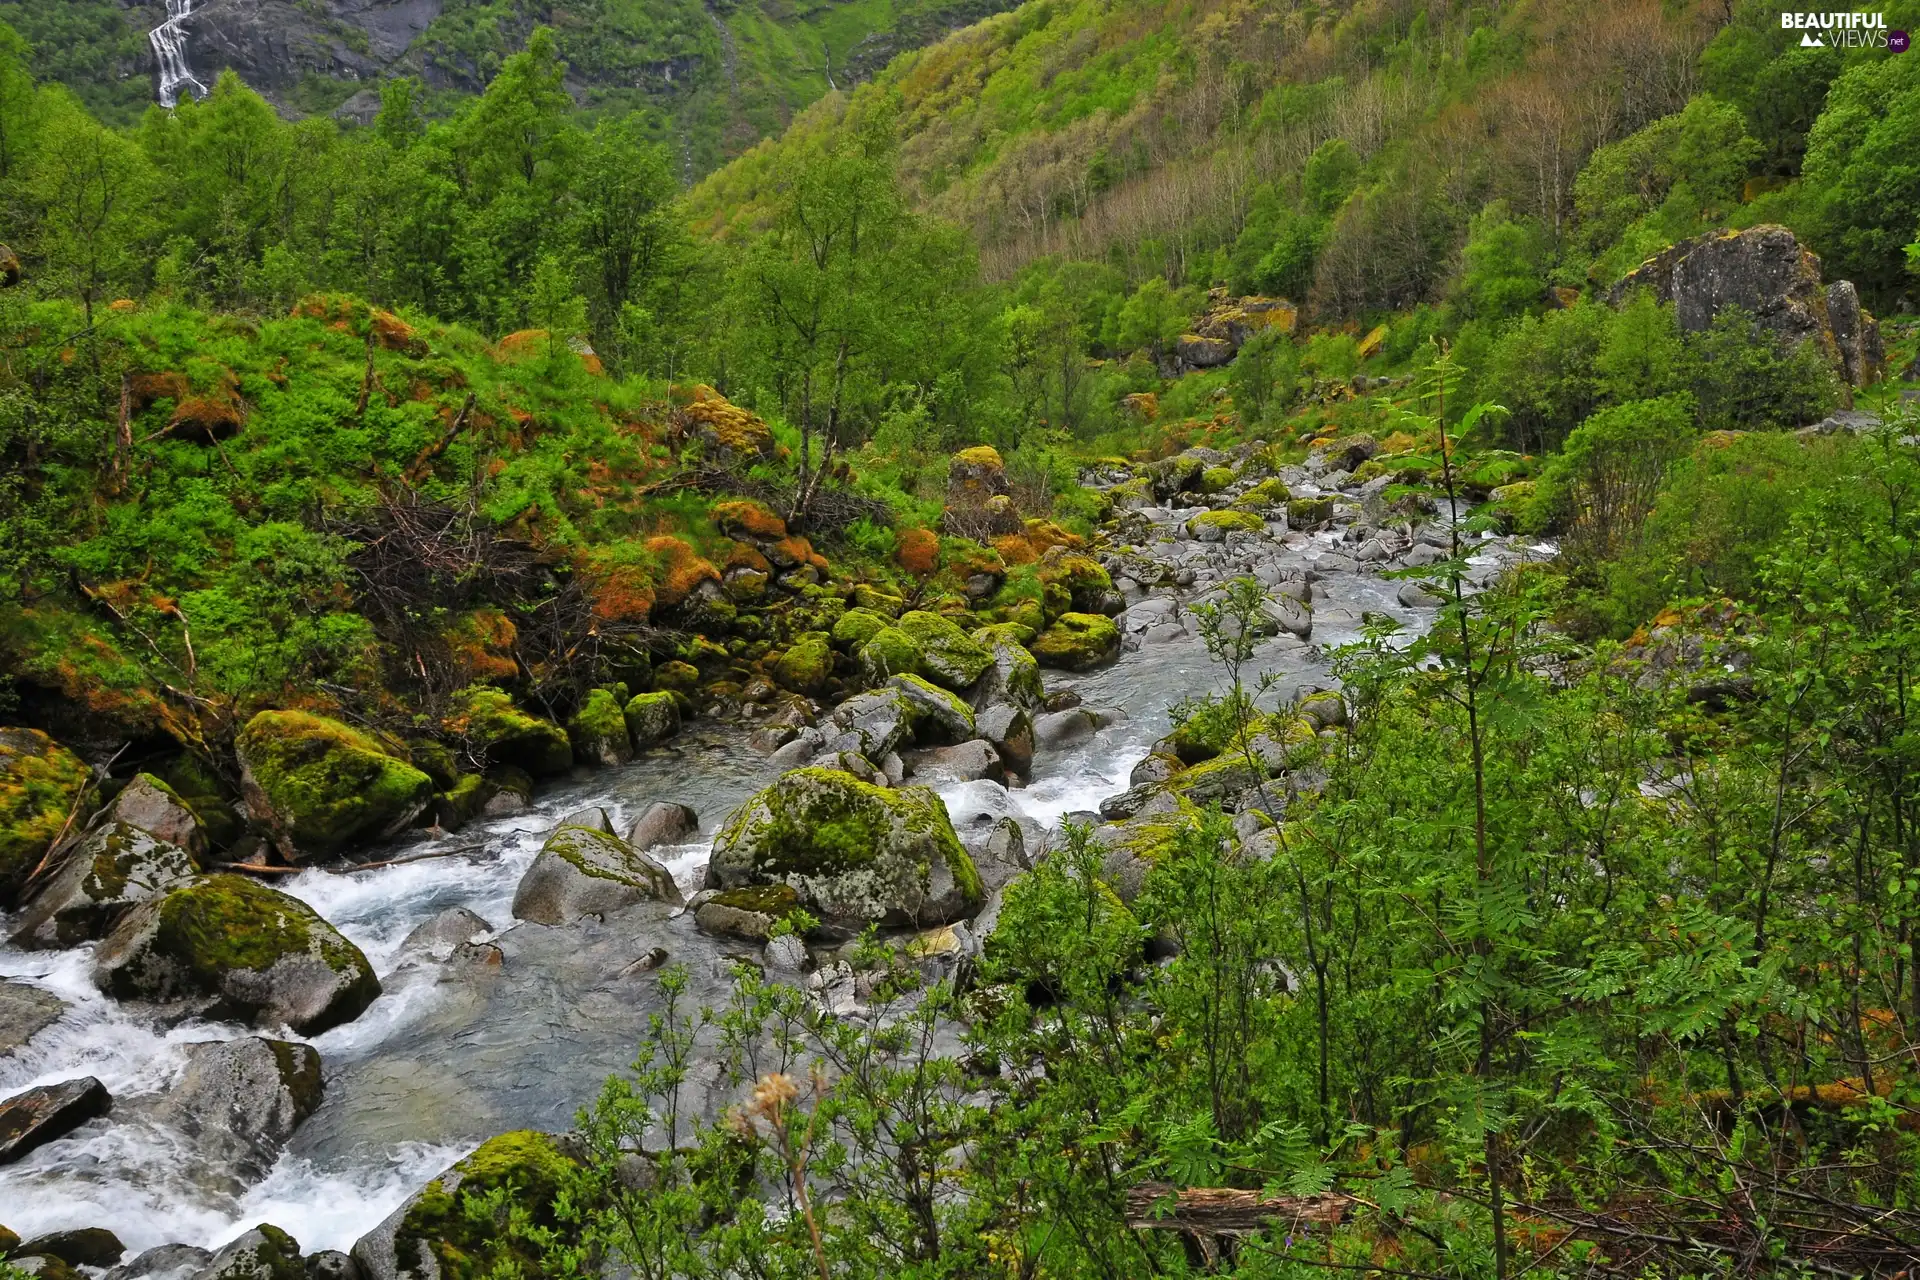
<point>1224,1211</point>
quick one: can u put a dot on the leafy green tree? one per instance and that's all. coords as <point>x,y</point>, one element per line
<point>1503,272</point>
<point>94,193</point>
<point>627,225</point>
<point>1743,377</point>
<point>1860,170</point>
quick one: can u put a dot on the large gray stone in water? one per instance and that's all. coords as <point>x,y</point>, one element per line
<point>967,762</point>
<point>447,931</point>
<point>664,822</point>
<point>80,1247</point>
<point>1058,728</point>
<point>48,1112</point>
<point>854,852</point>
<point>880,721</point>
<point>939,718</point>
<point>264,1253</point>
<point>1010,729</point>
<point>331,1264</point>
<point>155,808</point>
<point>24,1013</point>
<point>225,946</point>
<point>248,1094</point>
<point>1413,595</point>
<point>163,1262</point>
<point>581,872</point>
<point>117,866</point>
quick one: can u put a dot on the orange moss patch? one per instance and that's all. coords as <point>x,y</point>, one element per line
<point>1143,405</point>
<point>918,552</point>
<point>213,416</point>
<point>591,363</point>
<point>821,563</point>
<point>790,551</point>
<point>1043,534</point>
<point>122,305</point>
<point>145,388</point>
<point>481,642</point>
<point>623,593</point>
<point>395,334</point>
<point>964,560</point>
<point>744,556</point>
<point>681,569</point>
<point>744,518</point>
<point>526,342</point>
<point>1016,549</point>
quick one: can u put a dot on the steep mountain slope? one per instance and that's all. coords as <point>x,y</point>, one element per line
<point>1150,133</point>
<point>714,77</point>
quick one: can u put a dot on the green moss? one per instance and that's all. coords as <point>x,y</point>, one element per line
<point>1077,642</point>
<point>890,652</point>
<point>1304,513</point>
<point>867,596</point>
<point>521,1173</point>
<point>766,899</point>
<point>652,718</point>
<point>598,731</point>
<point>327,785</point>
<point>1214,479</point>
<point>1227,522</point>
<point>1271,492</point>
<point>462,802</point>
<point>221,923</point>
<point>677,677</point>
<point>857,626</point>
<point>951,658</point>
<point>806,667</point>
<point>39,784</point>
<point>504,734</point>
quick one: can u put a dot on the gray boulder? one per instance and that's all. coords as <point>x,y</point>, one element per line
<point>246,1096</point>
<point>331,1264</point>
<point>264,1253</point>
<point>1014,676</point>
<point>116,866</point>
<point>1414,595</point>
<point>47,1112</point>
<point>1010,729</point>
<point>938,717</point>
<point>163,1262</point>
<point>664,822</point>
<point>852,851</point>
<point>229,947</point>
<point>1058,728</point>
<point>154,807</point>
<point>879,721</point>
<point>581,872</point>
<point>967,762</point>
<point>25,1012</point>
<point>79,1247</point>
<point>446,933</point>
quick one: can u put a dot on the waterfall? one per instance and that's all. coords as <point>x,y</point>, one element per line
<point>170,47</point>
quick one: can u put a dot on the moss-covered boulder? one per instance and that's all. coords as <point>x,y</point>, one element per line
<point>598,731</point>
<point>939,717</point>
<point>950,658</point>
<point>1077,642</point>
<point>975,475</point>
<point>889,652</point>
<point>504,734</point>
<point>245,1097</point>
<point>115,867</point>
<point>264,1253</point>
<point>1214,526</point>
<point>230,947</point>
<point>321,786</point>
<point>751,913</point>
<point>1087,587</point>
<point>1269,493</point>
<point>677,677</point>
<point>1305,513</point>
<point>462,802</point>
<point>857,626</point>
<point>867,596</point>
<point>1214,479</point>
<point>652,718</point>
<point>581,871</point>
<point>442,1233</point>
<point>1015,675</point>
<point>1134,847</point>
<point>806,666</point>
<point>854,852</point>
<point>40,786</point>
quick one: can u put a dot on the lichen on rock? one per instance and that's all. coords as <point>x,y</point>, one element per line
<point>851,850</point>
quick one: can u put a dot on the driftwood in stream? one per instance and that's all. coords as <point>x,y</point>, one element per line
<point>1223,1211</point>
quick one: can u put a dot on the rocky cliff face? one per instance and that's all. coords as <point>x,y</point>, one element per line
<point>1766,271</point>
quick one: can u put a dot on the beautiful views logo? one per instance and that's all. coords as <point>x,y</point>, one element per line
<point>1844,31</point>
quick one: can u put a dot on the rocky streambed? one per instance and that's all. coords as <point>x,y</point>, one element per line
<point>513,963</point>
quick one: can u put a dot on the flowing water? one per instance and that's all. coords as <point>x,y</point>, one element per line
<point>169,41</point>
<point>451,1054</point>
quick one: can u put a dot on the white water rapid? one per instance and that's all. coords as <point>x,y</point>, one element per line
<point>170,48</point>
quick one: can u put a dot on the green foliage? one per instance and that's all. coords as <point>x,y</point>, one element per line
<point>1860,170</point>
